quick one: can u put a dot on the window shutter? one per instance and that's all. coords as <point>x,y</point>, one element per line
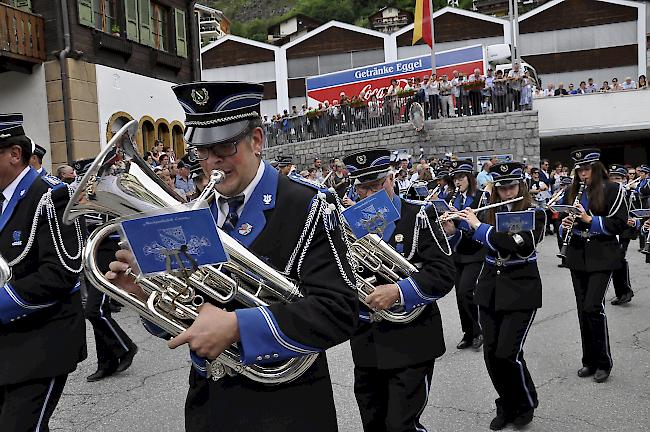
<point>24,5</point>
<point>86,15</point>
<point>181,38</point>
<point>131,13</point>
<point>145,22</point>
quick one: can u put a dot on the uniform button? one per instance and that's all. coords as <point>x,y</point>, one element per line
<point>267,357</point>
<point>275,356</point>
<point>259,357</point>
<point>498,272</point>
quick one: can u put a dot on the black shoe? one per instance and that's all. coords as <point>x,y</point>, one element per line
<point>464,343</point>
<point>127,359</point>
<point>102,372</point>
<point>524,418</point>
<point>585,371</point>
<point>625,298</point>
<point>498,422</point>
<point>601,375</point>
<point>477,342</point>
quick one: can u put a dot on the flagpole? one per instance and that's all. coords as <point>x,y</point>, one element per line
<point>433,40</point>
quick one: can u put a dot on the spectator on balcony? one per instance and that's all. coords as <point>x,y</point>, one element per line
<point>572,89</point>
<point>616,86</point>
<point>591,87</point>
<point>550,90</point>
<point>374,111</point>
<point>560,90</point>
<point>526,101</point>
<point>456,83</point>
<point>583,88</point>
<point>628,84</point>
<point>515,82</point>
<point>605,88</point>
<point>390,102</point>
<point>432,93</point>
<point>499,93</point>
<point>475,93</point>
<point>642,83</point>
<point>445,91</point>
<point>487,91</point>
<point>464,95</point>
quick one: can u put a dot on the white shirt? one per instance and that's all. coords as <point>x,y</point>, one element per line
<point>8,192</point>
<point>248,191</point>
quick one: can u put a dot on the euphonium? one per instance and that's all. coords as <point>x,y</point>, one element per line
<point>386,265</point>
<point>5,272</point>
<point>569,233</point>
<point>121,184</point>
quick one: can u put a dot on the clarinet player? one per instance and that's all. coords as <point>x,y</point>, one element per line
<point>592,254</point>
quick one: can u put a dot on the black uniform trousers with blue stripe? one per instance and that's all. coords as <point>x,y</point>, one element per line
<point>28,406</point>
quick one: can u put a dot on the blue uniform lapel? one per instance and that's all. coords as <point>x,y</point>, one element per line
<point>43,173</point>
<point>19,193</point>
<point>390,228</point>
<point>252,220</point>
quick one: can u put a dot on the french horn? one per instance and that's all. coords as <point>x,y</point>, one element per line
<point>121,184</point>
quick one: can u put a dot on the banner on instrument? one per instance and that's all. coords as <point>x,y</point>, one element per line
<point>514,222</point>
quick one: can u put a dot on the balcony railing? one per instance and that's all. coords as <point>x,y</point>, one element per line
<point>22,37</point>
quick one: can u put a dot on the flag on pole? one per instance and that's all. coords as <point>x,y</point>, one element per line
<point>422,24</point>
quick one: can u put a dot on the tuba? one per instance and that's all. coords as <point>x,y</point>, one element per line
<point>5,271</point>
<point>121,184</point>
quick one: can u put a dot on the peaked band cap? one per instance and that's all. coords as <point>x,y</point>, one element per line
<point>645,168</point>
<point>440,173</point>
<point>507,173</point>
<point>283,161</point>
<point>218,112</point>
<point>619,170</point>
<point>584,157</point>
<point>11,125</point>
<point>461,166</point>
<point>566,180</point>
<point>39,151</point>
<point>81,166</point>
<point>368,165</point>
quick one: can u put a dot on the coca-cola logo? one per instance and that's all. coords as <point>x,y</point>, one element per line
<point>368,91</point>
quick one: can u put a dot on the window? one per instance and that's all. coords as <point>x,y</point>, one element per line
<point>159,27</point>
<point>106,16</point>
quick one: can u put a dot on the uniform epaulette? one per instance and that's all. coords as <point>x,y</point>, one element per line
<point>307,182</point>
<point>53,182</point>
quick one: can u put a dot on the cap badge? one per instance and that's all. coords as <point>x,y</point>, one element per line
<point>579,155</point>
<point>245,229</point>
<point>361,159</point>
<point>399,238</point>
<point>200,96</point>
<point>504,168</point>
<point>267,198</point>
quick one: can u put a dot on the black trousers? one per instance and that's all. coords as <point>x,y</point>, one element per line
<point>466,276</point>
<point>110,340</point>
<point>28,406</point>
<point>515,99</point>
<point>475,99</point>
<point>434,106</point>
<point>504,335</point>
<point>392,400</point>
<point>590,289</point>
<point>621,276</point>
<point>237,404</point>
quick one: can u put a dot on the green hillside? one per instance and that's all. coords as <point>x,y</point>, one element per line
<point>251,18</point>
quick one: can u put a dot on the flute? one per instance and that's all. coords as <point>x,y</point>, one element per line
<point>454,215</point>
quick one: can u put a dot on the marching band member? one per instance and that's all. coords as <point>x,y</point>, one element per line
<point>468,256</point>
<point>621,276</point>
<point>508,293</point>
<point>394,361</point>
<point>36,161</point>
<point>42,329</point>
<point>592,254</point>
<point>284,221</point>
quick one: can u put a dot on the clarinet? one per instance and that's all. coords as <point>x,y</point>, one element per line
<point>569,233</point>
<point>453,196</point>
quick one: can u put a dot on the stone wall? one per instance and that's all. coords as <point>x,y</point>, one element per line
<point>510,133</point>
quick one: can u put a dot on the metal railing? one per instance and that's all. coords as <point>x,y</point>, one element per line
<point>22,35</point>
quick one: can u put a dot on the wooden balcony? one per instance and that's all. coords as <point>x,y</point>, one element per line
<point>22,39</point>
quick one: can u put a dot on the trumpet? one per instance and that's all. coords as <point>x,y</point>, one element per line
<point>454,215</point>
<point>569,234</point>
<point>5,271</point>
<point>119,183</point>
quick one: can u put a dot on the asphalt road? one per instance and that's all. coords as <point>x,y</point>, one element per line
<point>150,395</point>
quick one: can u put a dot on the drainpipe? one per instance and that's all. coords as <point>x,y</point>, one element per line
<point>65,93</point>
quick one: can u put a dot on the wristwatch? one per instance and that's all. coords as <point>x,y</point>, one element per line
<point>518,239</point>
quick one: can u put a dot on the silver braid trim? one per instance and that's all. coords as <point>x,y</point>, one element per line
<point>222,120</point>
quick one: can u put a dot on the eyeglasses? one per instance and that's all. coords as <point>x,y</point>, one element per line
<point>218,150</point>
<point>371,187</point>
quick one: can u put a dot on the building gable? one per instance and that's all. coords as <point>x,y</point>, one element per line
<point>450,27</point>
<point>233,53</point>
<point>334,40</point>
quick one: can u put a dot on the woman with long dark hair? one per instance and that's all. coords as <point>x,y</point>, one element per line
<point>508,293</point>
<point>468,256</point>
<point>593,252</point>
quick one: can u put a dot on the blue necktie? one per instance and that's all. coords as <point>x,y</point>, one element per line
<point>233,205</point>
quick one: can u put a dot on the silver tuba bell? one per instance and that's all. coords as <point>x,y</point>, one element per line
<point>5,271</point>
<point>121,184</point>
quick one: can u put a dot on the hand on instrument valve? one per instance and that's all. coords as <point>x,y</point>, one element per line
<point>583,216</point>
<point>383,297</point>
<point>470,217</point>
<point>347,202</point>
<point>447,224</point>
<point>121,273</point>
<point>567,223</point>
<point>212,332</point>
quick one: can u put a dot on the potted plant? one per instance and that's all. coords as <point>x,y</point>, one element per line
<point>115,30</point>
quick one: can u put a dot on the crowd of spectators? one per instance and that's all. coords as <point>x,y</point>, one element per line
<point>587,87</point>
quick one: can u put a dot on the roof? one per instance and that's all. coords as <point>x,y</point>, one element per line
<point>336,24</point>
<point>553,3</point>
<point>241,40</point>
<point>457,11</point>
